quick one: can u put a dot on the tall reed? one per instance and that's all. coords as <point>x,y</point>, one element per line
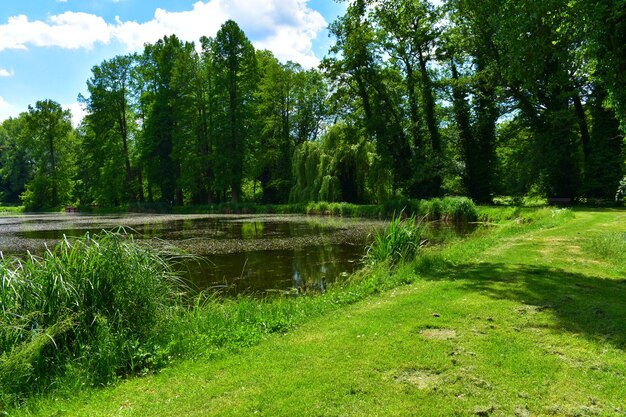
<point>398,242</point>
<point>90,306</point>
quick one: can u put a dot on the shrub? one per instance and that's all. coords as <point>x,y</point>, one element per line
<point>459,209</point>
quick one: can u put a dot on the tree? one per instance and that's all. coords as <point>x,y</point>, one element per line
<point>192,105</point>
<point>473,59</point>
<point>51,141</point>
<point>310,98</point>
<point>112,122</point>
<point>236,80</point>
<point>15,167</point>
<point>158,102</point>
<point>362,79</point>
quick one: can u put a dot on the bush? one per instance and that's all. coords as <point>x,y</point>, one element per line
<point>458,209</point>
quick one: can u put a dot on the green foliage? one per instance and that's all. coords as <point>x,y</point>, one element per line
<point>398,242</point>
<point>50,140</point>
<point>15,169</point>
<point>109,133</point>
<point>335,169</point>
<point>236,75</point>
<point>90,310</point>
<point>272,152</point>
<point>157,102</point>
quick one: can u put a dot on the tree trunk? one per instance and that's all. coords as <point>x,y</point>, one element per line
<point>429,106</point>
<point>413,107</point>
<point>470,151</point>
<point>582,124</point>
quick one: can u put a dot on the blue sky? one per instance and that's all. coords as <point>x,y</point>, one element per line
<point>48,47</point>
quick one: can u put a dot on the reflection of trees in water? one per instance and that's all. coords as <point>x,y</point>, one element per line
<point>315,266</point>
<point>251,230</point>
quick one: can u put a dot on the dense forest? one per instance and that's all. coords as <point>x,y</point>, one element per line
<point>473,97</point>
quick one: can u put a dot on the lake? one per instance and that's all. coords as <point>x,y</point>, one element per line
<point>234,254</point>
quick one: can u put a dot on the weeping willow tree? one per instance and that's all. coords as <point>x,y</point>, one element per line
<point>335,169</point>
<point>306,164</point>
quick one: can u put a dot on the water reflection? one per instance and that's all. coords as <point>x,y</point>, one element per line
<point>305,269</point>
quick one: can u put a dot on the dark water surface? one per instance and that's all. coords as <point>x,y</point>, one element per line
<point>233,254</point>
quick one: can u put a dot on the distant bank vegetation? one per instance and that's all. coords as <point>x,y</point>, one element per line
<point>414,100</point>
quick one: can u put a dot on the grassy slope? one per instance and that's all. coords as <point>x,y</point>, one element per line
<point>533,325</point>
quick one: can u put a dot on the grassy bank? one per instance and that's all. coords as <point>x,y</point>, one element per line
<point>69,319</point>
<point>447,208</point>
<point>4,210</point>
<point>205,334</point>
<point>96,310</point>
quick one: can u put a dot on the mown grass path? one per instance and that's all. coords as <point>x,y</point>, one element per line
<point>533,325</point>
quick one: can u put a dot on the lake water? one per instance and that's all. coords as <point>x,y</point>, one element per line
<point>234,253</point>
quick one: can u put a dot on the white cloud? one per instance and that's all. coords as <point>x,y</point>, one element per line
<point>286,27</point>
<point>70,30</point>
<point>7,110</point>
<point>203,19</point>
<point>6,72</point>
<point>78,112</point>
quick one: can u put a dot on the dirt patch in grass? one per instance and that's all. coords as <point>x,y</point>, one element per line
<point>438,334</point>
<point>419,378</point>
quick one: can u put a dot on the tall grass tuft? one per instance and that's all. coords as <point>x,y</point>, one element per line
<point>89,310</point>
<point>399,241</point>
<point>609,246</point>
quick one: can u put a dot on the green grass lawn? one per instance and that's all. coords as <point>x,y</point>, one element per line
<point>526,320</point>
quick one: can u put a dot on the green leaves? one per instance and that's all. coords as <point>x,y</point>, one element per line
<point>50,139</point>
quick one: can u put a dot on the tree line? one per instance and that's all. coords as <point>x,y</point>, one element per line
<point>479,98</point>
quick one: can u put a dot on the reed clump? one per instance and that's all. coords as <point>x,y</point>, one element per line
<point>89,310</point>
<point>398,242</point>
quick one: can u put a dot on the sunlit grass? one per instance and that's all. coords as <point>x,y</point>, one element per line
<point>11,209</point>
<point>134,325</point>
